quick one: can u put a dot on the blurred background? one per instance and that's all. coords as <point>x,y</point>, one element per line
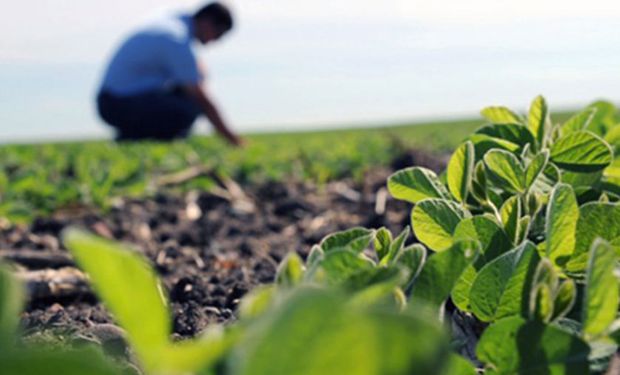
<point>310,64</point>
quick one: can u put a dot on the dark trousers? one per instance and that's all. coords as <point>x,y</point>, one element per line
<point>154,115</point>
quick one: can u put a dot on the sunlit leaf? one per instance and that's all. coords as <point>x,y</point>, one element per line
<point>581,151</point>
<point>505,170</point>
<point>434,221</point>
<point>441,272</point>
<point>561,223</point>
<point>502,287</point>
<point>516,346</point>
<point>11,304</point>
<point>601,298</point>
<point>415,184</point>
<point>128,287</point>
<point>290,271</point>
<point>500,115</point>
<point>355,239</point>
<point>460,171</point>
<point>538,120</point>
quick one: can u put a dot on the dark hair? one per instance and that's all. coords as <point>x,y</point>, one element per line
<point>217,13</point>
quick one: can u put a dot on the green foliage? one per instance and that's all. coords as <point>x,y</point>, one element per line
<point>501,115</point>
<point>290,271</point>
<point>434,221</point>
<point>39,361</point>
<point>596,220</point>
<point>542,201</point>
<point>561,222</point>
<point>523,234</point>
<point>356,240</point>
<point>40,178</point>
<point>538,121</point>
<point>415,184</point>
<point>442,271</point>
<point>129,288</point>
<point>600,305</point>
<point>501,287</point>
<point>516,346</point>
<point>313,332</point>
<point>11,304</point>
<point>460,171</point>
<point>581,151</point>
<point>505,170</point>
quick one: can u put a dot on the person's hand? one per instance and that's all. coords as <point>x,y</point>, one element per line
<point>238,142</point>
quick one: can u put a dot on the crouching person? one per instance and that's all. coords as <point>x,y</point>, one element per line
<point>152,87</point>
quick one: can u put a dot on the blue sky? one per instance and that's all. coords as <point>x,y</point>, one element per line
<point>302,64</point>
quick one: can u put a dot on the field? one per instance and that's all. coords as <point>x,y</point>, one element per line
<point>42,178</point>
<point>309,242</point>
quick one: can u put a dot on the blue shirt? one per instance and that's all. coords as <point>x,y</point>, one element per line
<point>153,58</point>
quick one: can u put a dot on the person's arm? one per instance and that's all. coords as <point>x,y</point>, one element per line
<point>197,93</point>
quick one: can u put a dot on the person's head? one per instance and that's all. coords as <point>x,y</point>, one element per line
<point>211,22</point>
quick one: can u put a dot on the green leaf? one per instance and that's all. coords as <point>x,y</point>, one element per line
<point>434,221</point>
<point>374,286</point>
<point>415,184</point>
<point>441,272</point>
<point>257,301</point>
<point>462,289</point>
<point>396,247</point>
<point>290,271</point>
<point>613,139</point>
<point>546,181</point>
<point>538,120</point>
<point>516,346</point>
<point>383,240</point>
<point>355,239</point>
<point>412,258</point>
<point>582,181</point>
<point>190,356</point>
<point>561,223</point>
<point>316,255</point>
<point>546,274</point>
<point>500,115</point>
<point>595,220</point>
<point>524,226</point>
<point>505,170</point>
<point>491,236</point>
<point>564,299</point>
<point>458,365</point>
<point>484,143</point>
<point>339,265</point>
<point>581,151</point>
<point>510,212</point>
<point>601,298</point>
<point>541,303</point>
<point>313,332</point>
<point>128,287</point>
<point>460,171</point>
<point>502,287</point>
<point>38,361</point>
<point>578,122</point>
<point>12,300</point>
<point>536,168</point>
<point>514,133</point>
<point>479,183</point>
<point>604,117</point>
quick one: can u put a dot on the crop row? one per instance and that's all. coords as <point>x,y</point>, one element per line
<point>39,179</point>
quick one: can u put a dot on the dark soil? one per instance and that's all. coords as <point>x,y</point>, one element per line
<point>209,249</point>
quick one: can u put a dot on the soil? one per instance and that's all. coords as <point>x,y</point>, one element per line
<point>209,248</point>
